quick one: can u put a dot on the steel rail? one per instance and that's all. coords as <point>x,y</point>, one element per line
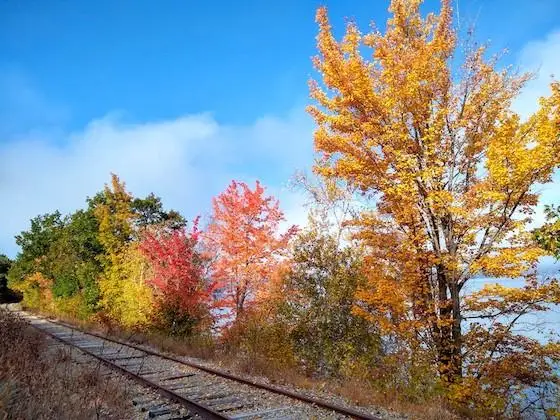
<point>347,411</point>
<point>200,409</point>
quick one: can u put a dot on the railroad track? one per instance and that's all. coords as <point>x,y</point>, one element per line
<point>205,392</point>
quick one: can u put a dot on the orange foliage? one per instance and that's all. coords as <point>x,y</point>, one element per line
<point>245,243</point>
<point>451,166</point>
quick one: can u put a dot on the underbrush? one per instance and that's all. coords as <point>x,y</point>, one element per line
<point>38,382</point>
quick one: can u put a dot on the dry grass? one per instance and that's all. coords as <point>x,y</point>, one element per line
<point>38,382</point>
<point>354,391</point>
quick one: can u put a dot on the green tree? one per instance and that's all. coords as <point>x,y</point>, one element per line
<point>74,258</point>
<point>35,243</point>
<point>548,235</point>
<point>65,251</point>
<point>321,283</point>
<point>5,264</point>
<point>149,211</point>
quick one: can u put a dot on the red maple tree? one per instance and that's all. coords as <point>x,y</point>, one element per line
<point>178,271</point>
<point>245,242</point>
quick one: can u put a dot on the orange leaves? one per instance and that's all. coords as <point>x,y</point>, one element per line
<point>36,289</point>
<point>453,170</point>
<point>244,241</point>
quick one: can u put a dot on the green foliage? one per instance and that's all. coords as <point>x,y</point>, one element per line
<point>262,339</point>
<point>5,264</point>
<point>149,211</point>
<point>548,235</point>
<point>88,261</point>
<point>175,321</point>
<point>75,258</point>
<point>65,252</point>
<point>35,244</point>
<point>321,283</point>
<point>6,295</point>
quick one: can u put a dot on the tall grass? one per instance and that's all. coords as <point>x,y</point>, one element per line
<point>38,381</point>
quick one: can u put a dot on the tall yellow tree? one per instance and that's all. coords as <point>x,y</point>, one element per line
<point>114,213</point>
<point>125,296</point>
<point>450,168</point>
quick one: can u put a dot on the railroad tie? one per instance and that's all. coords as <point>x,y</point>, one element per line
<point>208,396</point>
<point>160,412</point>
<point>173,378</point>
<point>149,406</point>
<point>256,413</point>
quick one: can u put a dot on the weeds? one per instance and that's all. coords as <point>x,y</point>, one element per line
<point>42,382</point>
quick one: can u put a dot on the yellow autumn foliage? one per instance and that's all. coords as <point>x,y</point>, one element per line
<point>36,290</point>
<point>453,172</point>
<point>125,296</point>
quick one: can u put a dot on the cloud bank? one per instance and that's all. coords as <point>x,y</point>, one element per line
<point>186,160</point>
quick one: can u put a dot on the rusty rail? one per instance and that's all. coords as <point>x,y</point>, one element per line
<point>203,411</point>
<point>347,411</point>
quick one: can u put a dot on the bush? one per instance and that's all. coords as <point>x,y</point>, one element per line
<point>263,344</point>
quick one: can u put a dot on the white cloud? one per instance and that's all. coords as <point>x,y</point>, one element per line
<point>186,161</point>
<point>541,57</point>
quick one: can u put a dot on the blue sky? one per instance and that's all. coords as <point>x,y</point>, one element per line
<point>239,60</point>
<point>178,97</point>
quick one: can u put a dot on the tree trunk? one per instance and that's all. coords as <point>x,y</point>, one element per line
<point>448,343</point>
<point>456,333</point>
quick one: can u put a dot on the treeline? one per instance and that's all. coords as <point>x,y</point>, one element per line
<point>128,262</point>
<point>290,299</point>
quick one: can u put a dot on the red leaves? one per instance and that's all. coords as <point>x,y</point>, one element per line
<point>243,242</point>
<point>178,273</point>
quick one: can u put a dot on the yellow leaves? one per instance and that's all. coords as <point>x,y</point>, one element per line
<point>497,298</point>
<point>453,171</point>
<point>125,296</point>
<point>36,290</point>
<point>115,217</point>
<point>396,126</point>
<point>507,262</point>
<point>521,154</point>
<point>72,306</point>
<point>440,201</point>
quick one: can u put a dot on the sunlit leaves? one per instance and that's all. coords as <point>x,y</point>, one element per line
<point>245,241</point>
<point>126,297</point>
<point>453,171</point>
<point>178,271</point>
